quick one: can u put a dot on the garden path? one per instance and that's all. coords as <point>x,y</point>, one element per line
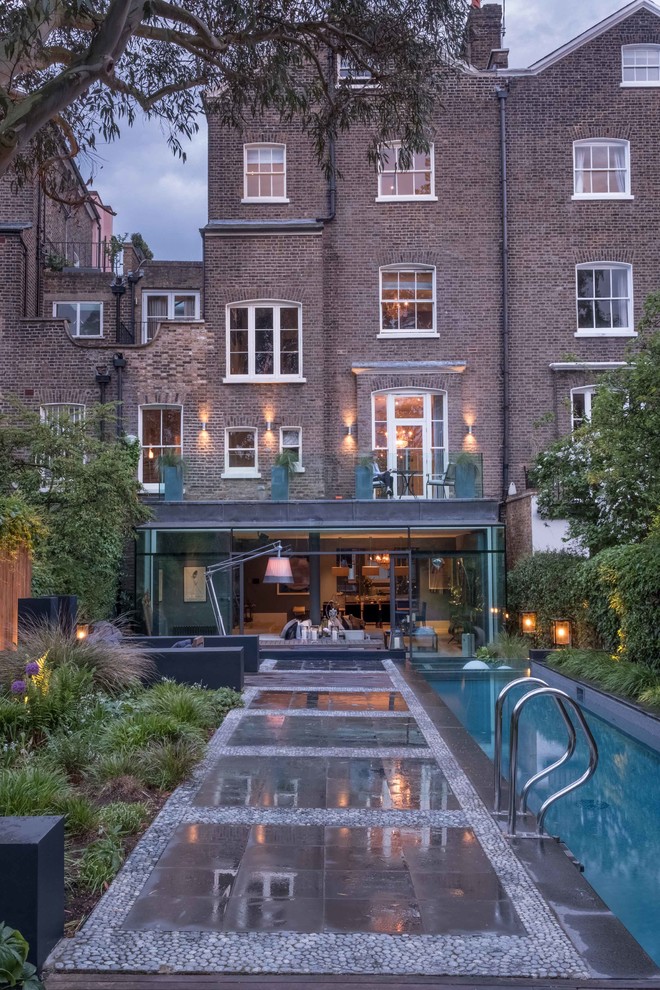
<point>331,830</point>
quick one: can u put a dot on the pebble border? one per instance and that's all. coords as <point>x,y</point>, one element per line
<point>103,946</point>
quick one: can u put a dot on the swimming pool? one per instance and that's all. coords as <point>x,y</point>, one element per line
<point>612,824</point>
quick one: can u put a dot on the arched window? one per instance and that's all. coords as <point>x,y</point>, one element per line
<point>601,169</point>
<point>410,436</point>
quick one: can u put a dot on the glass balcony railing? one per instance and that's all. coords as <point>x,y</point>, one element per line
<point>462,478</point>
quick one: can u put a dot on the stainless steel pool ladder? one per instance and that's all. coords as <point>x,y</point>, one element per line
<point>561,699</point>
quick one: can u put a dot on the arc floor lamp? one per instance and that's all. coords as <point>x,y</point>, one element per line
<point>278,570</point>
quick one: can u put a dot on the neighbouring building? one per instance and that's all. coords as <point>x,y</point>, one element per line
<point>451,318</point>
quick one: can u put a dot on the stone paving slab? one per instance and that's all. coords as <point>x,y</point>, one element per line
<point>538,948</point>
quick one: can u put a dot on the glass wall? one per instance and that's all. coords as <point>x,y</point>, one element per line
<point>442,590</point>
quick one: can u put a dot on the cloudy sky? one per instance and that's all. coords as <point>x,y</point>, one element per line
<point>165,199</point>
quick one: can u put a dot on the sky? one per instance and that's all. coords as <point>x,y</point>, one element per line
<point>165,199</point>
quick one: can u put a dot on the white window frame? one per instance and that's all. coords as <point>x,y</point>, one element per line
<point>152,486</point>
<point>263,199</point>
<point>75,328</point>
<point>241,472</point>
<point>628,331</point>
<point>630,49</point>
<point>588,392</point>
<point>348,74</point>
<point>252,305</point>
<point>602,142</point>
<point>426,421</point>
<point>76,414</point>
<point>170,295</point>
<point>406,334</point>
<point>421,198</point>
<point>298,466</point>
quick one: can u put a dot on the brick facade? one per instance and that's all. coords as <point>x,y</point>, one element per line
<point>292,251</point>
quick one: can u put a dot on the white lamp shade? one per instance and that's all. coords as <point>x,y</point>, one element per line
<point>278,570</point>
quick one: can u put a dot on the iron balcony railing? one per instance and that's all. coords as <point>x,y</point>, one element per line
<point>461,477</point>
<point>78,254</point>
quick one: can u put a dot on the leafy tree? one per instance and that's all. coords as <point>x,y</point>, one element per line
<point>604,478</point>
<point>83,66</point>
<point>86,492</point>
<point>141,246</point>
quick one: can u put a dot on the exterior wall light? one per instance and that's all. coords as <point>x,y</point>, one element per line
<point>561,632</point>
<point>269,425</point>
<point>469,429</point>
<point>203,425</point>
<point>528,622</point>
<point>349,430</point>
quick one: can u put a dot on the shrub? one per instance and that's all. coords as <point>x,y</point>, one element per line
<point>184,704</point>
<point>81,817</point>
<point>13,720</point>
<point>620,677</point>
<point>223,700</point>
<point>165,764</point>
<point>142,727</point>
<point>123,818</point>
<point>15,971</point>
<point>632,574</point>
<point>71,752</point>
<point>113,665</point>
<point>59,699</point>
<point>100,862</point>
<point>31,790</point>
<point>510,646</point>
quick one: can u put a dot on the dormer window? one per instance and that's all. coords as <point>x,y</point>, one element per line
<point>601,169</point>
<point>640,65</point>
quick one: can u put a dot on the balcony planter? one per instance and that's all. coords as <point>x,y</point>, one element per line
<point>467,476</point>
<point>171,473</point>
<point>281,472</point>
<point>364,477</point>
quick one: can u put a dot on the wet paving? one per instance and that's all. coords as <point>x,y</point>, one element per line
<point>307,664</point>
<point>331,701</point>
<point>317,782</point>
<point>351,732</point>
<point>260,878</point>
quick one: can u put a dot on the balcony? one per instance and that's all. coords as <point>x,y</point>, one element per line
<point>88,255</point>
<point>461,478</point>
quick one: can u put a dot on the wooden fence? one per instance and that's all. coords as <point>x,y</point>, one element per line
<point>15,582</point>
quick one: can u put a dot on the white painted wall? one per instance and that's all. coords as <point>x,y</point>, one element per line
<point>550,534</point>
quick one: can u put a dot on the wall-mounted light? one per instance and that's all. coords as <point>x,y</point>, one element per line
<point>528,622</point>
<point>269,425</point>
<point>469,429</point>
<point>561,632</point>
<point>203,425</point>
<point>349,430</point>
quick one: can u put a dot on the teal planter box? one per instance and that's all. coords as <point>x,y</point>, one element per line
<point>172,484</point>
<point>468,477</point>
<point>364,482</point>
<point>279,484</point>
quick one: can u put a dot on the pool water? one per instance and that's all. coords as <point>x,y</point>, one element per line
<point>611,824</point>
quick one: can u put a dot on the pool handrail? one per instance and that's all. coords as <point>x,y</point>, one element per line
<point>513,755</point>
<point>499,706</point>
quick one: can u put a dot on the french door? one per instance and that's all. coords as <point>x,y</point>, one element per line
<point>409,438</point>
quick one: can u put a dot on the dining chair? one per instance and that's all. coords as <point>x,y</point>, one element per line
<point>442,481</point>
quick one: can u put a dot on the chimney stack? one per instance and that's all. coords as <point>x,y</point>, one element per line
<point>484,36</point>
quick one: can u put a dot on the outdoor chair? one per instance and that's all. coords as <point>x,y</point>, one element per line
<point>383,483</point>
<point>442,481</point>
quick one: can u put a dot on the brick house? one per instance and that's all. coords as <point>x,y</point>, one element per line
<point>452,317</point>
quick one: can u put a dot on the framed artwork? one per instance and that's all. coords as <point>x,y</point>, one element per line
<point>194,584</point>
<point>300,583</point>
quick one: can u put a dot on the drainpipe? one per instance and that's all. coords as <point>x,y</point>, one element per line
<point>39,259</point>
<point>502,93</point>
<point>25,273</point>
<point>119,363</point>
<point>332,177</point>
